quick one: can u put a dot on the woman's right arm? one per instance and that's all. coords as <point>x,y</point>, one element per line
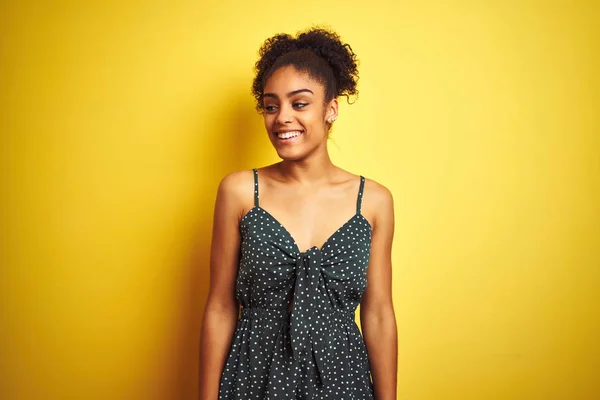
<point>221,311</point>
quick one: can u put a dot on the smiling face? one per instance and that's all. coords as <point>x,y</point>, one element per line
<point>296,113</point>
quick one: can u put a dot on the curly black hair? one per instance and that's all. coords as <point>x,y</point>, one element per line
<point>319,52</point>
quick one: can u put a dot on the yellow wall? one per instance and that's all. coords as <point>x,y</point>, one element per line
<point>118,120</point>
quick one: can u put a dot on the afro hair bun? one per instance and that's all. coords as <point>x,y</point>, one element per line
<point>318,52</point>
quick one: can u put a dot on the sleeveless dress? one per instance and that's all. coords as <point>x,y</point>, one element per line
<point>315,351</point>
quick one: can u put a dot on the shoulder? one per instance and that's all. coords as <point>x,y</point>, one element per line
<point>378,201</point>
<point>236,191</point>
<point>237,183</point>
<point>377,193</point>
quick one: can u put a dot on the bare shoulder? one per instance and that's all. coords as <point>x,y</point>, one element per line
<point>377,194</point>
<point>236,191</point>
<point>378,202</point>
<point>236,183</point>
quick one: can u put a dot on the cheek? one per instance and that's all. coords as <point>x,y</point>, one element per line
<point>312,119</point>
<point>268,119</point>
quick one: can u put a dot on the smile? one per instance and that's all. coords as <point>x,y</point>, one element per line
<point>288,135</point>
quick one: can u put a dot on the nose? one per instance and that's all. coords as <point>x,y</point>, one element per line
<point>284,116</point>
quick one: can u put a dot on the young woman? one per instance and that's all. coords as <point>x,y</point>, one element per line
<point>299,244</point>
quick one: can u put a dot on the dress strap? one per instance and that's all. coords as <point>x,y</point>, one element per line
<point>360,194</point>
<point>255,187</point>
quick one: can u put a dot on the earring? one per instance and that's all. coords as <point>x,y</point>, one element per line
<point>331,119</point>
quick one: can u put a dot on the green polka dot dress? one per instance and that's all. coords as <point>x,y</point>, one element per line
<point>315,351</point>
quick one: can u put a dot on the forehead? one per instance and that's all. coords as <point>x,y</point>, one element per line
<point>287,79</point>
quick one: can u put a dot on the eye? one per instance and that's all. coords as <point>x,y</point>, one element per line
<point>270,108</point>
<point>300,105</point>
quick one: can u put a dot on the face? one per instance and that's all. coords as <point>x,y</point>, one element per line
<point>296,114</point>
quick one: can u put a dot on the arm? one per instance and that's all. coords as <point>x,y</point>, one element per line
<point>377,316</point>
<point>221,311</point>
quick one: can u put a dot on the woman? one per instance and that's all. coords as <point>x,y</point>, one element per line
<point>295,244</point>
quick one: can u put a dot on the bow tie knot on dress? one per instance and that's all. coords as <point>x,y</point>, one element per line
<point>307,334</point>
<point>305,300</point>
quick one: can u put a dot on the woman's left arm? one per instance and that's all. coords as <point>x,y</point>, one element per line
<point>377,316</point>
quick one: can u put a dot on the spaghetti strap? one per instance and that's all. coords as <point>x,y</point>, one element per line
<point>255,187</point>
<point>360,194</point>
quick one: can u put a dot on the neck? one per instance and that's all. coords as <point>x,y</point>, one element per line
<point>316,167</point>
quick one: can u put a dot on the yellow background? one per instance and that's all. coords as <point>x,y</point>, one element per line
<point>118,120</point>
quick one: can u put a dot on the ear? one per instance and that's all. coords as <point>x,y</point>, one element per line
<point>331,111</point>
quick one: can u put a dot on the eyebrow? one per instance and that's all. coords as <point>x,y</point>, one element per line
<point>290,94</point>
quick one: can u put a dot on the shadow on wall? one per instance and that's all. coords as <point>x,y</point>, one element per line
<point>236,138</point>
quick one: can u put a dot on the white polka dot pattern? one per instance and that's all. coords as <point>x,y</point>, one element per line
<point>315,351</point>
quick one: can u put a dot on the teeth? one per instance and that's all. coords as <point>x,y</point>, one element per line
<point>287,135</point>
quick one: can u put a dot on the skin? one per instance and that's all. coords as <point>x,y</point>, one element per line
<point>311,198</point>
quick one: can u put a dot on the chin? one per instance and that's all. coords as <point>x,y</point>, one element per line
<point>290,155</point>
